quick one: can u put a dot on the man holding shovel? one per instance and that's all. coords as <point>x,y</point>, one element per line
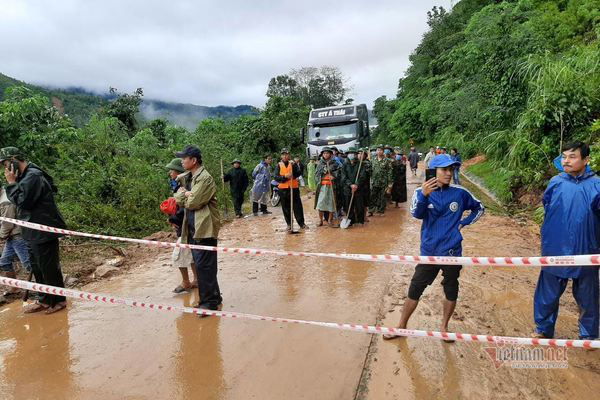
<point>355,182</point>
<point>287,173</point>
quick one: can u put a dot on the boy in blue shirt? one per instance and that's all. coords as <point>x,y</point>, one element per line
<point>441,206</point>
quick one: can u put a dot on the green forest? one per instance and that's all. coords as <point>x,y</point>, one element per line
<point>110,171</point>
<point>508,79</point>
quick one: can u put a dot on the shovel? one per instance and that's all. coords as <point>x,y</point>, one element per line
<point>346,221</point>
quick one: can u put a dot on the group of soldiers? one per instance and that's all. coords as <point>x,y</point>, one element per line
<point>357,184</point>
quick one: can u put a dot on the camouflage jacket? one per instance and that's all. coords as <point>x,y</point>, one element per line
<point>381,172</point>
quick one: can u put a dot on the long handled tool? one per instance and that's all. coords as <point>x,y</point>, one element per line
<point>224,196</point>
<point>292,216</point>
<point>335,210</point>
<point>346,221</point>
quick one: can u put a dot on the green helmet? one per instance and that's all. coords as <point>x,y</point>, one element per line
<point>175,165</point>
<point>8,153</point>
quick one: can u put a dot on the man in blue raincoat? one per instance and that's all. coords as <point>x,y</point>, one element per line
<point>571,227</point>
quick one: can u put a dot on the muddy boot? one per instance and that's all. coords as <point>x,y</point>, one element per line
<point>10,290</point>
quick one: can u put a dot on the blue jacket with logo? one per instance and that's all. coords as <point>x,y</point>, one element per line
<point>572,220</point>
<point>442,215</point>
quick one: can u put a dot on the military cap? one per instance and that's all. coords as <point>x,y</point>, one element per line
<point>9,152</point>
<point>175,165</point>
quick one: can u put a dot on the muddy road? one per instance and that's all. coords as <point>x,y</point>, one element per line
<point>95,351</point>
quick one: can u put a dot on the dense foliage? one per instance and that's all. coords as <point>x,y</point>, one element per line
<point>511,79</point>
<point>110,172</point>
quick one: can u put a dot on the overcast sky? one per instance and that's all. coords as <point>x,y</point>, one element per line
<point>208,53</point>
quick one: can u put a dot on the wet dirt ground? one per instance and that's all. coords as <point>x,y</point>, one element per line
<point>97,351</point>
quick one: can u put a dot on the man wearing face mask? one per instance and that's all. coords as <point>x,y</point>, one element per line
<point>388,151</point>
<point>355,181</point>
<point>399,176</point>
<point>327,178</point>
<point>381,181</point>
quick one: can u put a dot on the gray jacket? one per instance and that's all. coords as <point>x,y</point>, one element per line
<point>7,210</point>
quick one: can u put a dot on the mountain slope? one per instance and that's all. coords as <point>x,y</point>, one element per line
<point>80,104</point>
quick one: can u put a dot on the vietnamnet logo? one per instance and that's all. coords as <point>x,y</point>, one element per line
<point>528,357</point>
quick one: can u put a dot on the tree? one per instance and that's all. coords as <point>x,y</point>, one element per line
<point>29,122</point>
<point>283,86</point>
<point>315,87</point>
<point>124,108</point>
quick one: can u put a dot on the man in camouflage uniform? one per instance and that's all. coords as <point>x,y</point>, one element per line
<point>381,181</point>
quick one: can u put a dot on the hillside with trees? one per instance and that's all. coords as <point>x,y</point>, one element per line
<point>80,104</point>
<point>509,79</point>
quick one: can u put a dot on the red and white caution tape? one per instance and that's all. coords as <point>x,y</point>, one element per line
<point>465,337</point>
<point>580,260</point>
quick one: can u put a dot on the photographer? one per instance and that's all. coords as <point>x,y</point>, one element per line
<point>441,207</point>
<point>32,190</point>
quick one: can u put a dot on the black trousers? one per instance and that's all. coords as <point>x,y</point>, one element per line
<point>286,206</point>
<point>425,274</point>
<point>357,213</point>
<point>46,269</point>
<point>263,207</point>
<point>238,200</point>
<point>206,269</point>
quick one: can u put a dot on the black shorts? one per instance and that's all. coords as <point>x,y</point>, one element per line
<point>425,274</point>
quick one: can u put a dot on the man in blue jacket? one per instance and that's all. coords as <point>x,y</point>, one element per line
<point>571,227</point>
<point>441,206</point>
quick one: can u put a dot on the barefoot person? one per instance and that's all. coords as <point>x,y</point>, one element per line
<point>182,258</point>
<point>571,227</point>
<point>32,190</point>
<point>441,207</point>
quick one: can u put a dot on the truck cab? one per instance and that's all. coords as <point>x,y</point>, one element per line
<point>340,126</point>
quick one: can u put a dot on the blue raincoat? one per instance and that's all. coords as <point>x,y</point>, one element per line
<point>571,227</point>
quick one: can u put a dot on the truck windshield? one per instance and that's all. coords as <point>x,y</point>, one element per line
<point>332,132</point>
